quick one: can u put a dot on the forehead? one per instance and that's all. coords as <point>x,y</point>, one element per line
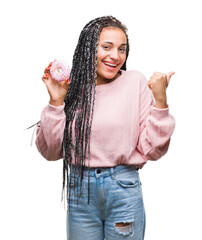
<point>113,34</point>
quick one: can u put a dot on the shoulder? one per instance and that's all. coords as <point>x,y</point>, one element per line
<point>134,77</point>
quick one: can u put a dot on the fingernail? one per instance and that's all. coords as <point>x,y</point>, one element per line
<point>46,75</point>
<point>67,80</point>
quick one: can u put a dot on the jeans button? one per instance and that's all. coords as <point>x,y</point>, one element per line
<point>98,171</point>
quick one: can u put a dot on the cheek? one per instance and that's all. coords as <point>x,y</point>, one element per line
<point>123,58</point>
<point>100,56</point>
<point>99,64</point>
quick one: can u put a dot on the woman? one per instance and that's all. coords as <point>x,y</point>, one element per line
<point>105,126</point>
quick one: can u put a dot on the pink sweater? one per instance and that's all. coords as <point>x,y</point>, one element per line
<point>126,127</point>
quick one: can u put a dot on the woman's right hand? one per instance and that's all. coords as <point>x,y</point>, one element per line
<point>56,90</point>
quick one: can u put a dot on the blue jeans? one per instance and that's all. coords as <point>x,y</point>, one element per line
<point>116,209</point>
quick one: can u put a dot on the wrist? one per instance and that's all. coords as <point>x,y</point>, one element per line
<point>161,104</point>
<point>56,103</point>
<point>161,100</point>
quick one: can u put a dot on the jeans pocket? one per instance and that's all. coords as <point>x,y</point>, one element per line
<point>128,179</point>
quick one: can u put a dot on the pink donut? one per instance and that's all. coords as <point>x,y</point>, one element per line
<point>60,70</point>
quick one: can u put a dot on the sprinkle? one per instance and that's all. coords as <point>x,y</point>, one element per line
<point>60,70</point>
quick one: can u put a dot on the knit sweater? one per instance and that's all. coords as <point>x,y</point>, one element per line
<point>126,127</point>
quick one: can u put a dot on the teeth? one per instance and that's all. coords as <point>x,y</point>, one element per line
<point>110,64</point>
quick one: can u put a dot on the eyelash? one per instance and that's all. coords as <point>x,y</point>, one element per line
<point>106,47</point>
<point>123,50</point>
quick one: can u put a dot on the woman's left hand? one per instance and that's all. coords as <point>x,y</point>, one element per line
<point>158,83</point>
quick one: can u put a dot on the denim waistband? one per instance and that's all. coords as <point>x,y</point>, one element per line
<point>106,171</point>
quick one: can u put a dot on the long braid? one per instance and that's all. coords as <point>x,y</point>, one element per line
<point>80,99</point>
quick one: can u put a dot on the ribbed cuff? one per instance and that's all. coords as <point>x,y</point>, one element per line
<point>59,110</point>
<point>159,113</point>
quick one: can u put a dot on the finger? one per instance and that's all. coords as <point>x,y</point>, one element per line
<point>45,77</point>
<point>149,84</point>
<point>50,64</point>
<point>47,70</point>
<point>66,85</point>
<point>169,75</point>
<point>157,73</point>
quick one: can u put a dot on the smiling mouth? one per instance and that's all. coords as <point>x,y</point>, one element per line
<point>111,64</point>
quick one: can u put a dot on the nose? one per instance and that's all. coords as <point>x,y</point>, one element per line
<point>114,55</point>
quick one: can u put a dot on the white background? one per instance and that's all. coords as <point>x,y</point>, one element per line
<point>164,36</point>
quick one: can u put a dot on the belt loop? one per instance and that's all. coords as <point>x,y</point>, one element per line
<point>112,173</point>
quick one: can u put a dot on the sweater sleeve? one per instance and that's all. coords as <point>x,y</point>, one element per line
<point>156,127</point>
<point>50,132</point>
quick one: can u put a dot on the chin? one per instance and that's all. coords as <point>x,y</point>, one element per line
<point>110,75</point>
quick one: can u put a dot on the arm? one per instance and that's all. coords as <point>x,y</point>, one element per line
<point>50,132</point>
<point>156,126</point>
<point>49,136</point>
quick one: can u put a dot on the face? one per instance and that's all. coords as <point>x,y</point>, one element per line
<point>111,54</point>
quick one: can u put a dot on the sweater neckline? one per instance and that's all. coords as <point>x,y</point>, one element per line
<point>110,84</point>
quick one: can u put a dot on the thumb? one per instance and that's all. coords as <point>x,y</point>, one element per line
<point>66,84</point>
<point>169,75</point>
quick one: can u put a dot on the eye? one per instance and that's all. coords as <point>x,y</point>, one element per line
<point>105,47</point>
<point>123,50</point>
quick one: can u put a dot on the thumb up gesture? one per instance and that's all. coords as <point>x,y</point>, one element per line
<point>158,83</point>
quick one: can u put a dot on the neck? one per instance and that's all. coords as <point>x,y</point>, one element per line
<point>101,81</point>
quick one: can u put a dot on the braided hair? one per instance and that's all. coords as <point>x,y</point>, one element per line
<point>79,102</point>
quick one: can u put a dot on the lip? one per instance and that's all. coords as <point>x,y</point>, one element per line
<point>110,67</point>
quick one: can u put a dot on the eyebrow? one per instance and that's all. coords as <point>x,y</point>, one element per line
<point>123,44</point>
